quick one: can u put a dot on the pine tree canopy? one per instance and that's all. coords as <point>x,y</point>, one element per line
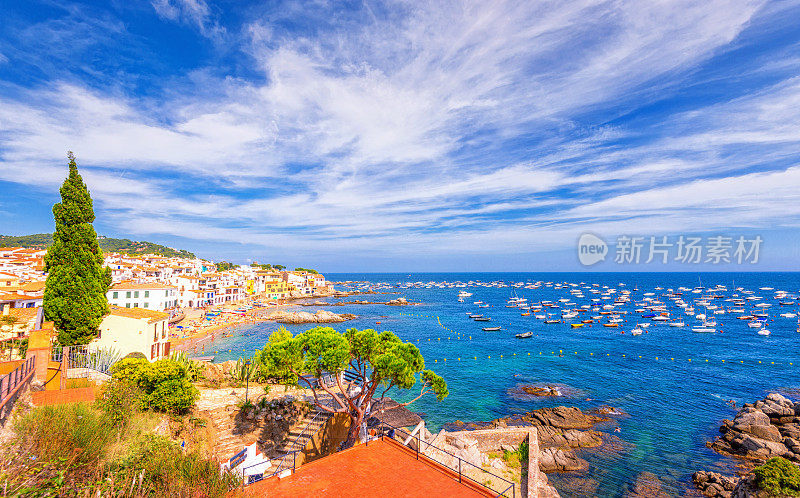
<point>75,295</point>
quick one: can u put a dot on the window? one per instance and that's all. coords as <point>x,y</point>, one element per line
<point>136,294</point>
<point>116,295</point>
<point>155,333</point>
<point>146,304</point>
<point>163,330</point>
<point>128,295</point>
<point>153,351</point>
<point>146,293</point>
<point>127,305</point>
<point>135,305</point>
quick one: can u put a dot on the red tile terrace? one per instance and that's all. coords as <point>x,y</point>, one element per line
<point>382,468</point>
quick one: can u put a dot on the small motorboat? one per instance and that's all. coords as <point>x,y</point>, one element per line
<point>576,325</point>
<point>490,329</point>
<point>473,315</point>
<point>524,335</point>
<point>676,324</point>
<point>552,321</point>
<point>636,332</point>
<point>763,332</point>
<point>703,330</point>
<point>611,325</point>
<point>483,319</point>
<point>525,314</point>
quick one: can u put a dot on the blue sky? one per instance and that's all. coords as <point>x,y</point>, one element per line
<point>407,136</point>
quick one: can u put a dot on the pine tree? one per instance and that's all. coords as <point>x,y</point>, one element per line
<point>75,295</point>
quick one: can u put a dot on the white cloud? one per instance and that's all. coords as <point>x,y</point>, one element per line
<point>196,12</point>
<point>405,131</point>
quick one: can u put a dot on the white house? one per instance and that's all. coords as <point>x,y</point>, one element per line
<point>129,330</point>
<point>147,295</point>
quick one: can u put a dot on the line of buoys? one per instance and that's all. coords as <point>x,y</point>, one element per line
<point>560,353</point>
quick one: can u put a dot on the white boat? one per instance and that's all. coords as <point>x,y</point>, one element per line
<point>660,318</point>
<point>763,332</point>
<point>755,324</point>
<point>703,330</point>
<point>464,294</point>
<point>636,332</point>
<point>676,324</point>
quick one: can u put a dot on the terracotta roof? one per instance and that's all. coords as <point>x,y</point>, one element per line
<point>33,286</point>
<point>24,314</point>
<point>13,296</point>
<point>139,313</point>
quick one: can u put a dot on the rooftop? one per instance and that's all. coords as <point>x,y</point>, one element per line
<point>382,468</point>
<point>150,315</point>
<point>131,285</point>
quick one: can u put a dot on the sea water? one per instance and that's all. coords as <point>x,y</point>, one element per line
<point>674,385</point>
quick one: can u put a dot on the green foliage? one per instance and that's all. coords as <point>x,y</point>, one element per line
<point>50,430</point>
<point>170,472</point>
<point>135,354</point>
<point>119,399</point>
<point>382,357</point>
<point>107,244</point>
<point>778,477</point>
<point>76,450</point>
<point>224,265</point>
<point>194,369</point>
<point>307,270</point>
<point>279,267</point>
<point>165,383</point>
<point>129,369</point>
<point>75,294</point>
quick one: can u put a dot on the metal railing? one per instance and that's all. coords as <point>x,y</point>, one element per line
<point>11,381</point>
<point>293,451</point>
<point>392,431</point>
<point>82,358</point>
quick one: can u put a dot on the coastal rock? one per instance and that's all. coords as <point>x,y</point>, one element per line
<point>557,460</point>
<point>647,485</point>
<point>761,430</point>
<point>713,484</point>
<point>321,316</point>
<point>541,391</point>
<point>561,417</point>
<point>572,438</point>
<point>400,301</point>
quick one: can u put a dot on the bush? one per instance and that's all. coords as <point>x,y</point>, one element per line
<point>778,477</point>
<point>168,472</point>
<point>120,399</point>
<point>165,383</point>
<point>129,369</point>
<point>73,430</point>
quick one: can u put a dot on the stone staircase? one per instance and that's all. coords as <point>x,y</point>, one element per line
<point>298,437</point>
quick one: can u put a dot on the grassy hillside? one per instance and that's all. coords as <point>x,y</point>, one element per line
<point>107,244</point>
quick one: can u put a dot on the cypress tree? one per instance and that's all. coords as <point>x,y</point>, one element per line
<point>75,295</point>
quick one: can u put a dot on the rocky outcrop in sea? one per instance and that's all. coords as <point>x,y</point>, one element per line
<point>321,316</point>
<point>759,431</point>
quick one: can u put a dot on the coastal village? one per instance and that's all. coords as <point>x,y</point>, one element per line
<point>172,293</point>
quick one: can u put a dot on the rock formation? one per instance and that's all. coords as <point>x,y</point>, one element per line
<point>321,316</point>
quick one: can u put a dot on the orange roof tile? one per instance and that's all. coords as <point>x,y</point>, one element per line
<point>139,313</point>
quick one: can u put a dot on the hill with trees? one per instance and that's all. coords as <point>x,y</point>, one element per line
<point>107,244</point>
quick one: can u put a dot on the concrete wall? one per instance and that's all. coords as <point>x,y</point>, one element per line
<point>492,439</point>
<point>326,441</point>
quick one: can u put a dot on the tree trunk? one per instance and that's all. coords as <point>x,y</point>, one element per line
<point>352,434</point>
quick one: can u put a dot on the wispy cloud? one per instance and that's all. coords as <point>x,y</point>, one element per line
<point>445,127</point>
<point>193,12</point>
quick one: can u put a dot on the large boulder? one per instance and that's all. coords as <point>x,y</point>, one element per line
<point>713,484</point>
<point>561,417</point>
<point>557,460</point>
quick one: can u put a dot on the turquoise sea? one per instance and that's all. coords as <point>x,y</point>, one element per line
<point>674,405</point>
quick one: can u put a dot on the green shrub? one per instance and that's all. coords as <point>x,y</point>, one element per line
<point>72,434</point>
<point>120,399</point>
<point>165,383</point>
<point>168,472</point>
<point>135,355</point>
<point>129,368</point>
<point>778,477</point>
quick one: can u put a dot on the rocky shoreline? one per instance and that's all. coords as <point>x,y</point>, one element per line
<point>762,430</point>
<point>296,317</point>
<point>561,430</point>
